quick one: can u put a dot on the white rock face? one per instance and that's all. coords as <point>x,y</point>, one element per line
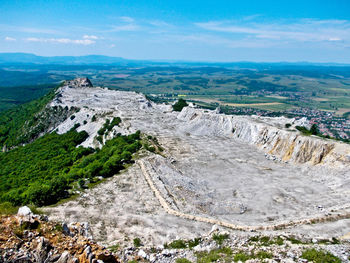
<point>24,211</point>
<point>245,170</point>
<point>268,134</point>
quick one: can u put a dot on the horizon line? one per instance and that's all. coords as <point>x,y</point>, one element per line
<point>183,61</point>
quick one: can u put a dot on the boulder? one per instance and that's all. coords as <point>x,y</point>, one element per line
<point>24,211</point>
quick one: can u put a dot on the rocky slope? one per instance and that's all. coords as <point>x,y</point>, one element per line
<point>27,237</point>
<point>270,135</point>
<point>243,170</point>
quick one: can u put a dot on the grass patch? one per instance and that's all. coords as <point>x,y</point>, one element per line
<point>220,238</point>
<point>293,240</point>
<point>182,244</point>
<point>6,208</point>
<point>182,260</point>
<point>243,256</point>
<point>222,254</point>
<point>266,241</point>
<point>319,256</point>
<point>137,242</point>
<point>114,248</point>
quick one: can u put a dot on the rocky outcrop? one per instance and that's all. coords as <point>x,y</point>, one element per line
<point>269,135</point>
<point>79,82</point>
<point>32,238</point>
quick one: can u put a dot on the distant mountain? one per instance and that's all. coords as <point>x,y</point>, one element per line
<point>27,58</point>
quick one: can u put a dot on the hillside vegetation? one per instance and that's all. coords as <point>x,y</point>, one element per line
<point>41,170</point>
<point>14,96</point>
<point>12,122</point>
<point>40,173</point>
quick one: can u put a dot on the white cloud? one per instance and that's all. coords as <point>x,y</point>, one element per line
<point>62,40</point>
<point>10,39</point>
<point>335,39</point>
<point>303,30</point>
<point>5,27</point>
<point>90,37</point>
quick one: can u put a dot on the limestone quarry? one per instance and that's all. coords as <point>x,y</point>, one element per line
<point>240,173</point>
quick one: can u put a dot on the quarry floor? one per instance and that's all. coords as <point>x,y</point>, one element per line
<point>209,176</point>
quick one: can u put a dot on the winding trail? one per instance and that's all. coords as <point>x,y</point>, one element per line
<point>278,226</point>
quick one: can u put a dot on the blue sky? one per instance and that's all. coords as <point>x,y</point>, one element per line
<point>308,30</point>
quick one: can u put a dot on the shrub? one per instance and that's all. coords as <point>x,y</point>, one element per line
<point>178,244</point>
<point>179,105</point>
<point>319,256</point>
<point>219,238</point>
<point>137,242</point>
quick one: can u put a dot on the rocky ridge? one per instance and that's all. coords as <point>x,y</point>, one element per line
<point>27,237</point>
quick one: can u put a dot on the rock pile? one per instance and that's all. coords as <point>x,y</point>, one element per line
<point>32,238</point>
<point>79,82</point>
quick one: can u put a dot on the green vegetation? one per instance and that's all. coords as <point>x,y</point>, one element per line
<point>319,256</point>
<point>114,248</point>
<point>178,244</point>
<point>223,254</point>
<point>266,241</point>
<point>293,240</point>
<point>243,256</point>
<point>137,242</point>
<point>108,126</point>
<point>182,244</point>
<point>182,260</point>
<point>41,172</point>
<point>179,105</point>
<point>12,122</point>
<point>14,96</point>
<point>6,208</point>
<point>150,143</point>
<point>220,238</point>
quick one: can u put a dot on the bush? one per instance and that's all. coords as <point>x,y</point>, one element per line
<point>178,244</point>
<point>137,242</point>
<point>219,238</point>
<point>319,256</point>
<point>179,105</point>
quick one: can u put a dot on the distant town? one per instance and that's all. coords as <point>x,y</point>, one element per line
<point>329,124</point>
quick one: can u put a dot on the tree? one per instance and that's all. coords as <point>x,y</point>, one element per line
<point>314,129</point>
<point>179,105</point>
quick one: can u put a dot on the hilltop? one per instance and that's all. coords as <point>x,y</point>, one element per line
<point>179,173</point>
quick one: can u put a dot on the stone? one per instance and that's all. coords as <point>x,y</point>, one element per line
<point>142,254</point>
<point>24,211</point>
<point>64,257</point>
<point>65,229</point>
